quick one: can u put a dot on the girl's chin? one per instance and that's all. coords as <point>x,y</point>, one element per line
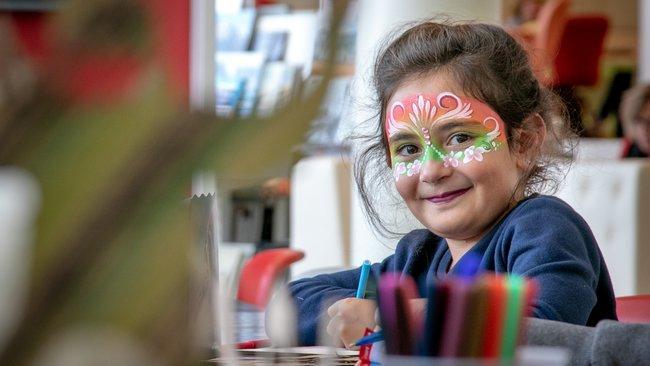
<point>450,229</point>
<point>449,232</point>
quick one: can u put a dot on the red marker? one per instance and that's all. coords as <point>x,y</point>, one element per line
<point>257,343</point>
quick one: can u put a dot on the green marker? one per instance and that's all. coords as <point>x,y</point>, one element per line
<point>516,290</point>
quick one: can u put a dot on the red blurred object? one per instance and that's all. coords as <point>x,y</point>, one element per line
<point>364,351</point>
<point>30,30</point>
<point>171,20</point>
<point>258,343</point>
<point>265,2</point>
<point>633,309</point>
<point>542,45</point>
<point>103,78</point>
<point>260,273</point>
<point>551,21</point>
<point>578,59</point>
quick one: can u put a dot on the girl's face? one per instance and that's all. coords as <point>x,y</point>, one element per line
<point>450,158</point>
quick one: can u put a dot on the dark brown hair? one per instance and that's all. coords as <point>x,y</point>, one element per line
<point>489,65</point>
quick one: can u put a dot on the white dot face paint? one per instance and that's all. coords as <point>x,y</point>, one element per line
<point>410,122</point>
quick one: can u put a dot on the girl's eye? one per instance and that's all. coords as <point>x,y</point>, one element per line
<point>408,150</point>
<point>459,139</point>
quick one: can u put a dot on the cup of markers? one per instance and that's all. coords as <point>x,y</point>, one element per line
<point>468,320</point>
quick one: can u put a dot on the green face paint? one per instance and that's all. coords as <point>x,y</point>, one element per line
<point>432,153</point>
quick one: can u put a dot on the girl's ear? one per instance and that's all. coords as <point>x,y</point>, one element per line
<point>529,140</point>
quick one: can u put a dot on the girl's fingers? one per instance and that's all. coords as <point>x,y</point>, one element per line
<point>345,331</point>
<point>349,319</point>
<point>350,333</point>
<point>352,347</point>
<point>332,310</point>
<point>334,326</point>
<point>333,329</point>
<point>351,309</point>
<point>346,308</point>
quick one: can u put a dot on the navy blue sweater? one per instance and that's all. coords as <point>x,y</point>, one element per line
<point>541,238</point>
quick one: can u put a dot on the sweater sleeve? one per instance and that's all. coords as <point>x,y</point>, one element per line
<point>554,246</point>
<point>313,295</point>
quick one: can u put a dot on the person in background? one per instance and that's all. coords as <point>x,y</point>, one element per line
<point>524,12</point>
<point>635,118</point>
<point>523,22</point>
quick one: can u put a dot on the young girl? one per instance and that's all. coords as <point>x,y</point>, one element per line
<point>464,134</point>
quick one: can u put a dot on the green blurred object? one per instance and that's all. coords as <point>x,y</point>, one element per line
<point>113,245</point>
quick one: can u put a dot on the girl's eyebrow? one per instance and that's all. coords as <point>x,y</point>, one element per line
<point>452,124</point>
<point>400,136</point>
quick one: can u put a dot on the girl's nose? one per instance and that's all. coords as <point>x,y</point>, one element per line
<point>434,170</point>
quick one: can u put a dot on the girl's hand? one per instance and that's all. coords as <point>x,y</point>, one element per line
<point>349,319</point>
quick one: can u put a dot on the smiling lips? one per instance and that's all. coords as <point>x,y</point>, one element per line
<point>447,196</point>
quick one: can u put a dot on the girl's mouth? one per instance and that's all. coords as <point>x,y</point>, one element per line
<point>447,196</point>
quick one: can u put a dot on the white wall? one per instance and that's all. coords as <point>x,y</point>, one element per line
<point>644,41</point>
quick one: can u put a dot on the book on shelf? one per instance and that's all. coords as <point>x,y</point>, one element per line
<point>280,84</point>
<point>237,81</point>
<point>346,49</point>
<point>300,29</point>
<point>326,134</point>
<point>234,31</point>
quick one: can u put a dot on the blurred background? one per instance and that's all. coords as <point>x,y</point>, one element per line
<point>150,149</point>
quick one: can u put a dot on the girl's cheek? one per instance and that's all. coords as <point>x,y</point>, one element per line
<point>405,186</point>
<point>407,169</point>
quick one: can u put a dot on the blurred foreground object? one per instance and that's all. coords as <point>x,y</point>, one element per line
<point>19,198</point>
<point>111,269</point>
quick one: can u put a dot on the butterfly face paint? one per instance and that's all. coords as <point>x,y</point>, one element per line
<point>463,130</point>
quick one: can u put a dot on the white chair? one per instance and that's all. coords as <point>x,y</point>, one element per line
<point>231,259</point>
<point>320,212</point>
<point>613,196</point>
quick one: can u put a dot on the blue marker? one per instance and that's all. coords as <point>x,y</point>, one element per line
<point>468,266</point>
<point>370,338</point>
<point>363,279</point>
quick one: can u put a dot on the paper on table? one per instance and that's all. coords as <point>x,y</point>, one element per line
<point>314,350</point>
<point>291,356</point>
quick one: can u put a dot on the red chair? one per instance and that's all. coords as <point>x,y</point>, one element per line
<point>260,273</point>
<point>551,22</point>
<point>633,309</point>
<point>580,49</point>
<point>578,63</point>
<point>543,39</point>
